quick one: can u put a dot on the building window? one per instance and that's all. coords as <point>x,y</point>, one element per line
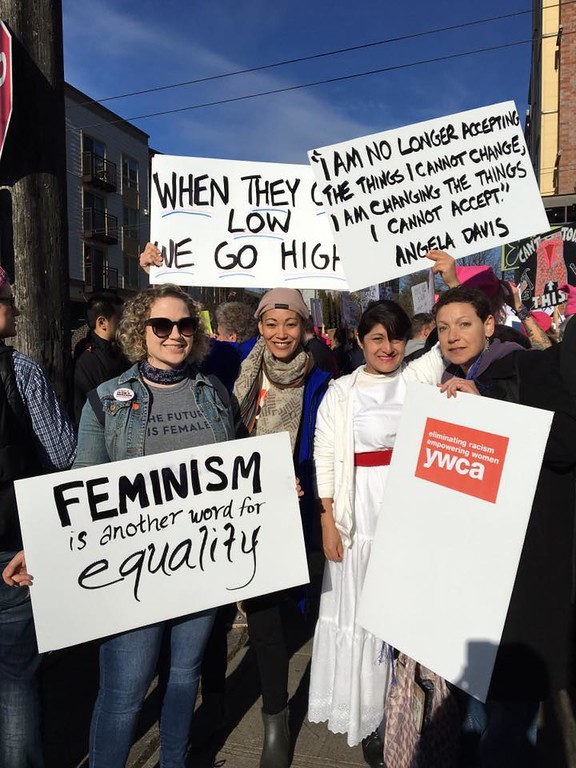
<point>130,223</point>
<point>95,202</point>
<point>98,223</point>
<point>94,268</point>
<point>97,152</point>
<point>94,214</point>
<point>131,272</point>
<point>129,173</point>
<point>89,144</point>
<point>96,169</point>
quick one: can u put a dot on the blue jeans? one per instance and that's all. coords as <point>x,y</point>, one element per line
<point>127,666</point>
<point>20,739</point>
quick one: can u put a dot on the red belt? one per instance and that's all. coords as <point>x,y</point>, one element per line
<point>373,458</point>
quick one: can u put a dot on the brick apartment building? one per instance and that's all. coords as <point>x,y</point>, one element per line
<point>551,118</point>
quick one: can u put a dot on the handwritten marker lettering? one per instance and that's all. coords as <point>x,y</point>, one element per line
<point>260,222</point>
<point>458,183</point>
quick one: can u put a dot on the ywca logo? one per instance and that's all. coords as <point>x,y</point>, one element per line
<point>467,460</point>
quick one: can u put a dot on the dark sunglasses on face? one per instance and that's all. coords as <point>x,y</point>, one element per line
<point>9,300</point>
<point>162,326</point>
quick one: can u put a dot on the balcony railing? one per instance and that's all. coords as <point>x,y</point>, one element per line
<point>99,277</point>
<point>100,226</point>
<point>99,172</point>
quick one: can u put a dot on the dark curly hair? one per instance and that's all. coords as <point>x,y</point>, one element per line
<point>463,295</point>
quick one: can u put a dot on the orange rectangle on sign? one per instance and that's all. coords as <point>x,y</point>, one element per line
<point>467,460</point>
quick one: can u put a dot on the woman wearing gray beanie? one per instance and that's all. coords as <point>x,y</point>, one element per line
<point>279,389</point>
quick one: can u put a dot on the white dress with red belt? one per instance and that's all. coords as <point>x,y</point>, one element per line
<point>351,667</point>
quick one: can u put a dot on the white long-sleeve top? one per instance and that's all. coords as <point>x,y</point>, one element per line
<point>334,437</point>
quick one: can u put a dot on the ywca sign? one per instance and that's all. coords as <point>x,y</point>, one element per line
<point>463,472</point>
<point>6,93</point>
<point>464,459</point>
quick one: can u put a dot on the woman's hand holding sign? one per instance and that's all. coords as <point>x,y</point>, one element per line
<point>151,257</point>
<point>455,385</point>
<point>15,574</point>
<point>445,266</point>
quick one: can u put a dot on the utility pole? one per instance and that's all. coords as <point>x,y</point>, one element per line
<point>33,174</point>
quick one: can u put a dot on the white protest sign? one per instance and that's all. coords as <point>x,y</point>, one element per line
<point>422,298</point>
<point>451,529</point>
<point>316,312</point>
<point>366,295</point>
<point>351,310</point>
<point>462,183</point>
<point>240,224</point>
<point>126,544</point>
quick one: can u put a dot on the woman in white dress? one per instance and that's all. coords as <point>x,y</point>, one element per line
<point>355,433</point>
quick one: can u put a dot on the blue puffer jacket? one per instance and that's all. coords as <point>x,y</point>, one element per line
<point>314,390</point>
<point>122,433</point>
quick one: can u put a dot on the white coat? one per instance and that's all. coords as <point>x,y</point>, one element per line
<point>334,438</point>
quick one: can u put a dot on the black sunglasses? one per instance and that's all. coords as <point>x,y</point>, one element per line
<point>9,300</point>
<point>162,326</point>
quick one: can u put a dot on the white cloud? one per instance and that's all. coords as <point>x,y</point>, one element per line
<point>102,42</point>
<point>137,44</point>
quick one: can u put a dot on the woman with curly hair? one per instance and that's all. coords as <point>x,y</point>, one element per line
<point>131,415</point>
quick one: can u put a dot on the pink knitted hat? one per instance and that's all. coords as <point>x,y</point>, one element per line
<point>542,318</point>
<point>482,278</point>
<point>4,280</point>
<point>570,292</point>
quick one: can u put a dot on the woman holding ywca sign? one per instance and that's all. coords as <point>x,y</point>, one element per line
<point>536,651</point>
<point>162,334</point>
<point>348,680</point>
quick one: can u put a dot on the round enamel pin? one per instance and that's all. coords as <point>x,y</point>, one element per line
<point>123,394</point>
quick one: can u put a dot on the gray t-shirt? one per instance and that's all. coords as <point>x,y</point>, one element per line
<point>175,421</point>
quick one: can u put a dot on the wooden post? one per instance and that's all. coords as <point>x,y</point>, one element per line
<point>33,171</point>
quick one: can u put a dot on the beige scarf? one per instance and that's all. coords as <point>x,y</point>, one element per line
<point>282,408</point>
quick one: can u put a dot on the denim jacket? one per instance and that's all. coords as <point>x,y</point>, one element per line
<point>124,430</point>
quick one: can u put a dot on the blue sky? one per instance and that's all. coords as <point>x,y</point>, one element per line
<point>112,48</point>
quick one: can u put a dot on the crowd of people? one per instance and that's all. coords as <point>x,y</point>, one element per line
<point>265,372</point>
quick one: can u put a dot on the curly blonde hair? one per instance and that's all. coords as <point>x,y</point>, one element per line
<point>131,334</point>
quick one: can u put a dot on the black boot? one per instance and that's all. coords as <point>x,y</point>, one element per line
<point>276,747</point>
<point>373,750</point>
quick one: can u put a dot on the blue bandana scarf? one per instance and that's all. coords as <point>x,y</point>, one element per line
<point>160,376</point>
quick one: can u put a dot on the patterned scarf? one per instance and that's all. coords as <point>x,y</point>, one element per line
<point>161,376</point>
<point>282,408</point>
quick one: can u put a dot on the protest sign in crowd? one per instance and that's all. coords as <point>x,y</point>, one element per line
<point>437,480</point>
